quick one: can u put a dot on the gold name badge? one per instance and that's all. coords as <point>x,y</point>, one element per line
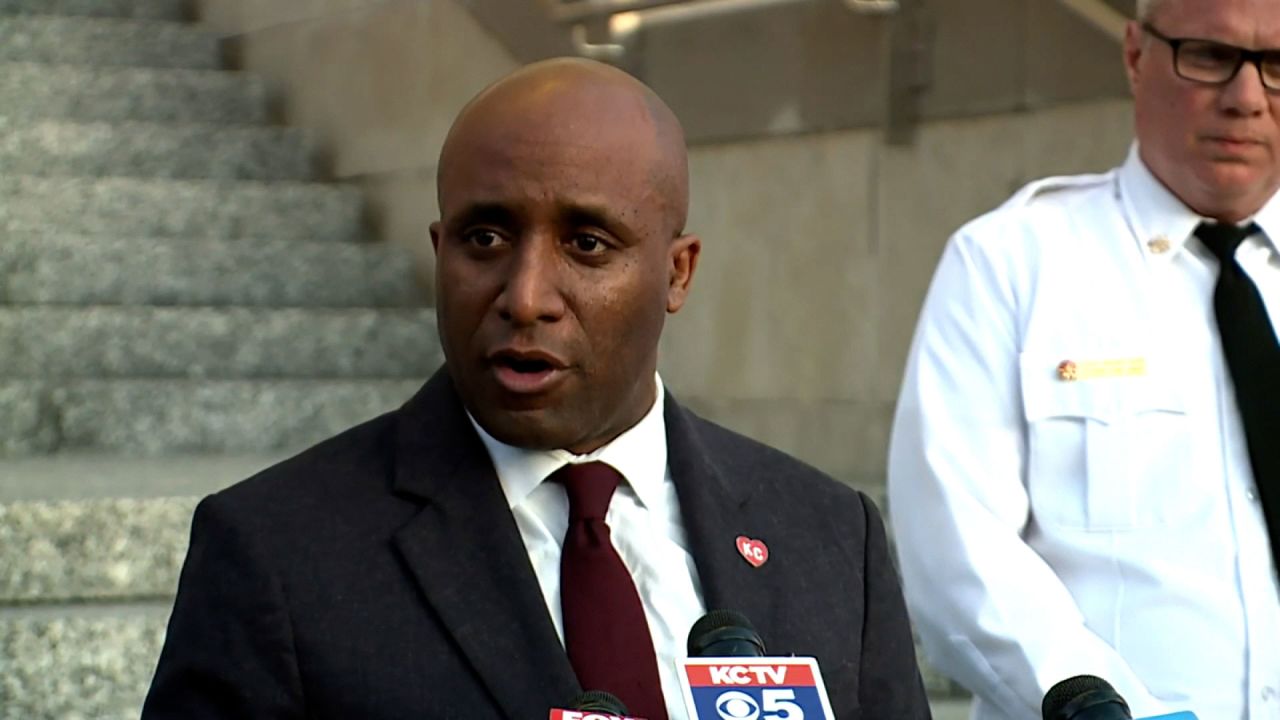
<point>1072,370</point>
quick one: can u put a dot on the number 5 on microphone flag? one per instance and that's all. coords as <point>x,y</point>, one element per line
<point>754,688</point>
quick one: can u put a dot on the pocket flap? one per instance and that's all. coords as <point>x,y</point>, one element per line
<point>1045,394</point>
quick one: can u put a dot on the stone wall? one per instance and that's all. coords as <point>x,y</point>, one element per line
<point>817,251</point>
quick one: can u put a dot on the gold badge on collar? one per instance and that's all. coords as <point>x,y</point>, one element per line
<point>1159,245</point>
<point>1072,370</point>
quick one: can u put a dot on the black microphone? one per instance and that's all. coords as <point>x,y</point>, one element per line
<point>598,701</point>
<point>1084,697</point>
<point>724,633</point>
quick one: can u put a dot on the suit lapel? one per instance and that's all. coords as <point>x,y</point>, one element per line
<point>465,553</point>
<point>716,506</point>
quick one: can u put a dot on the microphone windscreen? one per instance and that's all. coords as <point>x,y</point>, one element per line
<point>724,633</point>
<point>1084,697</point>
<point>599,701</point>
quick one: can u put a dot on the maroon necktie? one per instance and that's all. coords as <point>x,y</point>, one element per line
<point>605,631</point>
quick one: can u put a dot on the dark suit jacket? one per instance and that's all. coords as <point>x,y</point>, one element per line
<point>380,576</point>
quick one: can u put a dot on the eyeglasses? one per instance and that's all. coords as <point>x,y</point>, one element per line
<point>1215,63</point>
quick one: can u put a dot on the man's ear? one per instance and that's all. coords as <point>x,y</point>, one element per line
<point>1134,46</point>
<point>435,237</point>
<point>684,262</point>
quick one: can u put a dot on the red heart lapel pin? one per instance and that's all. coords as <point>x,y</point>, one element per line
<point>752,550</point>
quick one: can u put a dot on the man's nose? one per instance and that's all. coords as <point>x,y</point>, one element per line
<point>1245,94</point>
<point>532,292</point>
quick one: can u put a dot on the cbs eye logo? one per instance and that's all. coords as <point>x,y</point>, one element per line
<point>734,705</point>
<point>777,705</point>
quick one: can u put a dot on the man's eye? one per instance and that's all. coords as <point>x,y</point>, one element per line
<point>588,244</point>
<point>483,238</point>
<point>1209,55</point>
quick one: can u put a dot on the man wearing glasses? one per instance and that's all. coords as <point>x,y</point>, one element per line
<point>1084,475</point>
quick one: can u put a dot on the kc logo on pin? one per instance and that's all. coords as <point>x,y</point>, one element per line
<point>753,551</point>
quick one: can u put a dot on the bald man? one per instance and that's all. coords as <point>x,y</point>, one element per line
<point>542,517</point>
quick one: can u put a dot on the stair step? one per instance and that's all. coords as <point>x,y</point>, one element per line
<point>104,476</point>
<point>272,273</point>
<point>102,342</point>
<point>78,667</point>
<point>108,41</point>
<point>92,550</point>
<point>130,149</point>
<point>173,10</point>
<point>87,93</point>
<point>128,207</point>
<point>167,417</point>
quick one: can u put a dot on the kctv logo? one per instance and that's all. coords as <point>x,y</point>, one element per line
<point>754,689</point>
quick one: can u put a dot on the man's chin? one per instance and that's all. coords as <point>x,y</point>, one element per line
<point>1233,191</point>
<point>534,429</point>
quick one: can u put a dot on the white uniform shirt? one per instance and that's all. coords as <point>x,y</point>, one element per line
<point>1107,525</point>
<point>644,521</point>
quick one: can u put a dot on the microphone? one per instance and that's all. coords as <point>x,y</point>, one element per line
<point>724,633</point>
<point>593,705</point>
<point>1086,697</point>
<point>599,701</point>
<point>728,677</point>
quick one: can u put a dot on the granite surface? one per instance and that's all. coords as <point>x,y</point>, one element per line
<point>150,150</point>
<point>175,10</point>
<point>84,92</point>
<point>78,668</point>
<point>129,207</point>
<point>85,550</point>
<point>27,424</point>
<point>163,417</point>
<point>242,343</point>
<point>107,41</point>
<point>253,272</point>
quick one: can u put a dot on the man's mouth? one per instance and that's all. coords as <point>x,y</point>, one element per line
<point>532,366</point>
<point>526,372</point>
<point>1233,142</point>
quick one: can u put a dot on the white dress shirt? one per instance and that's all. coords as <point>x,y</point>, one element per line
<point>1106,525</point>
<point>644,521</point>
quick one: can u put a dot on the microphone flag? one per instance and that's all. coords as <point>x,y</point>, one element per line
<point>565,714</point>
<point>754,688</point>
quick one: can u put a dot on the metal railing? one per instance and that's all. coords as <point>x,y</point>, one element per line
<point>611,31</point>
<point>576,11</point>
<point>623,20</point>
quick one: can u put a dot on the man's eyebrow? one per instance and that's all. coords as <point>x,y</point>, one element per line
<point>484,213</point>
<point>594,215</point>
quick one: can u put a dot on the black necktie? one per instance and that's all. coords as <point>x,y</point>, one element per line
<point>1253,358</point>
<point>605,631</point>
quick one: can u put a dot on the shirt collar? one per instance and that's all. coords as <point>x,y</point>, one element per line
<point>639,453</point>
<point>1161,222</point>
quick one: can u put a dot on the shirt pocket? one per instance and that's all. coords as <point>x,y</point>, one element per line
<point>1104,454</point>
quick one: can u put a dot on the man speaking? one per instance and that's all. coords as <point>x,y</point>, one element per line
<point>542,516</point>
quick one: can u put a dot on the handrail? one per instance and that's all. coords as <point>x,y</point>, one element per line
<point>576,12</point>
<point>621,22</point>
<point>573,12</point>
<point>872,7</point>
<point>626,18</point>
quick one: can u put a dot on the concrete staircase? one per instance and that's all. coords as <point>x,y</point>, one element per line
<point>182,302</point>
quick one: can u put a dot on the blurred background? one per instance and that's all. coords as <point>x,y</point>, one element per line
<point>213,245</point>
